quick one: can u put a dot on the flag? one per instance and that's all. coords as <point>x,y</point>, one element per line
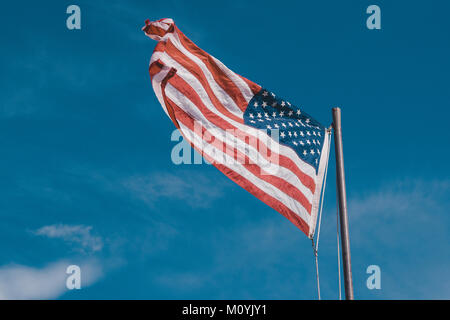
<point>262,142</point>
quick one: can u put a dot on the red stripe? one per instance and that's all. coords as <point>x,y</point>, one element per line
<point>253,86</point>
<point>155,68</point>
<point>195,70</point>
<point>160,47</point>
<point>253,189</point>
<point>220,145</point>
<point>157,65</point>
<point>218,74</point>
<point>178,83</point>
<point>167,102</point>
<point>151,29</point>
<point>264,197</point>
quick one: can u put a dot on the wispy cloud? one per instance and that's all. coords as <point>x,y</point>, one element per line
<point>75,234</point>
<point>49,282</point>
<point>252,252</point>
<point>402,227</point>
<point>402,206</point>
<point>196,189</point>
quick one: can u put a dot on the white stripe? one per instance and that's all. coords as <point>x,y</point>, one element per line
<point>221,94</point>
<point>190,108</point>
<point>266,187</point>
<point>168,60</point>
<point>319,181</point>
<point>161,25</point>
<point>156,83</point>
<point>241,84</point>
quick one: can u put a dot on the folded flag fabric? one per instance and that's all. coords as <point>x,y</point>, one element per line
<point>262,142</point>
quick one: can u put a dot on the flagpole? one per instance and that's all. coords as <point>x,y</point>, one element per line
<point>343,218</point>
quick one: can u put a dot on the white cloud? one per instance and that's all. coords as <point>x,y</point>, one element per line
<point>49,282</point>
<point>78,234</point>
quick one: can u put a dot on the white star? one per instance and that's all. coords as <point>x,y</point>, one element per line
<point>304,152</point>
<point>259,115</point>
<point>264,104</point>
<point>298,112</point>
<point>266,115</point>
<point>282,134</point>
<point>281,113</point>
<point>290,124</point>
<point>273,94</point>
<point>251,115</point>
<point>308,142</point>
<point>308,133</point>
<point>269,127</point>
<point>302,143</point>
<point>290,113</point>
<point>295,143</point>
<point>274,114</point>
<point>255,104</point>
<point>284,125</point>
<point>283,103</point>
<point>265,93</point>
<point>302,134</point>
<point>318,151</point>
<point>290,134</point>
<point>295,134</point>
<point>312,151</point>
<point>276,125</point>
<point>274,104</point>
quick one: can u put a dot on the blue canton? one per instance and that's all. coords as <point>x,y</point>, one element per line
<point>297,129</point>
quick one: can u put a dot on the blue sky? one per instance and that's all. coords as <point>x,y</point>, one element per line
<point>87,177</point>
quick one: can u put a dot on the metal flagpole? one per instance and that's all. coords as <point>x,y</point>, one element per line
<point>343,218</point>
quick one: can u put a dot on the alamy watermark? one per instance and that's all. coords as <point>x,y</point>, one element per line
<point>374,280</point>
<point>227,147</point>
<point>74,20</point>
<point>73,281</point>
<point>374,20</point>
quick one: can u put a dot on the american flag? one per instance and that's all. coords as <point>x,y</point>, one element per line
<point>262,142</point>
